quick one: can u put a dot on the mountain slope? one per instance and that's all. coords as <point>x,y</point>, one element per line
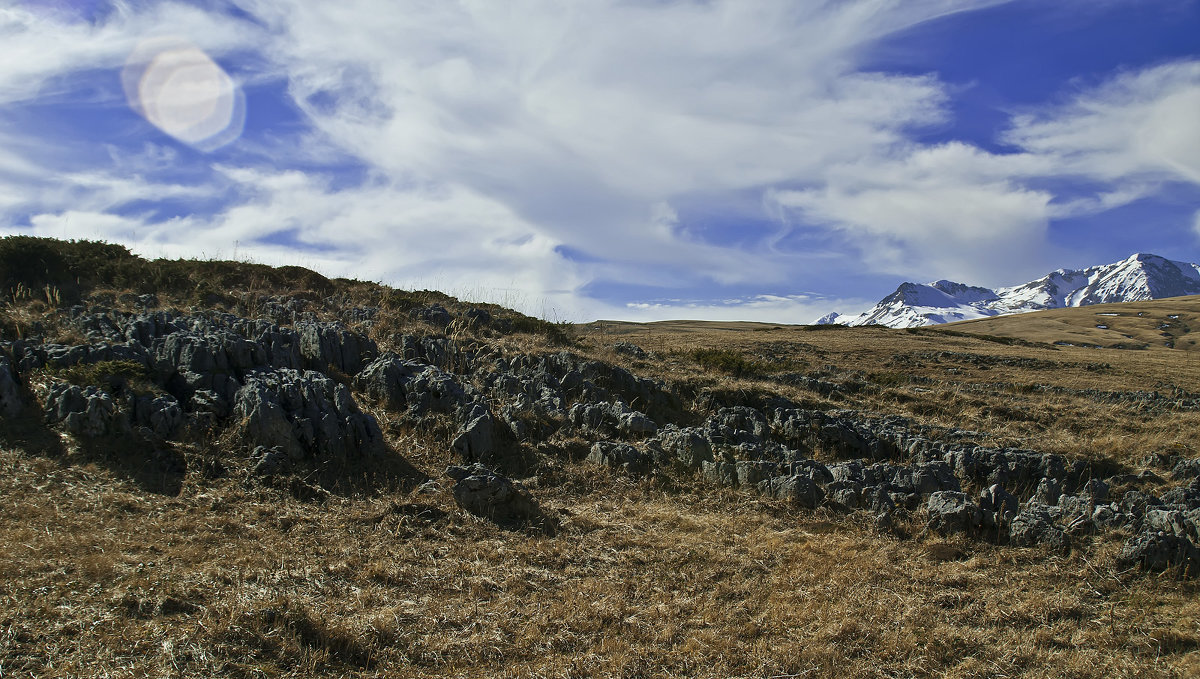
<point>1138,278</point>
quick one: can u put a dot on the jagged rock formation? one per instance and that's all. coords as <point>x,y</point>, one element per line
<point>292,391</point>
<point>305,414</point>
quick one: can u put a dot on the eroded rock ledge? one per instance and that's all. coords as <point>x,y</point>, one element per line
<point>296,392</point>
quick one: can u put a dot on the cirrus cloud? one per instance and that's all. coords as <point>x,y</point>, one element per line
<point>586,155</point>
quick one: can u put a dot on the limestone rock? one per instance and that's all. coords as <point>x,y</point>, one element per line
<point>1037,524</point>
<point>798,490</point>
<point>161,414</point>
<point>84,411</point>
<point>952,512</point>
<point>475,440</point>
<point>307,415</point>
<point>619,456</point>
<point>995,499</point>
<point>1157,551</point>
<point>485,493</point>
<point>686,446</point>
<point>1186,470</point>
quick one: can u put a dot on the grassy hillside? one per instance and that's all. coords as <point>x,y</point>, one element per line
<point>168,552</point>
<point>1004,376</point>
<point>1161,323</point>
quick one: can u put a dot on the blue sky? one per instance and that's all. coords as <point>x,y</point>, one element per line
<point>759,160</point>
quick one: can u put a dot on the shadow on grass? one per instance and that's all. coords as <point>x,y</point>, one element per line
<point>386,472</point>
<point>154,468</point>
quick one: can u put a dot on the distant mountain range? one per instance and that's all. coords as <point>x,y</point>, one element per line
<point>1138,278</point>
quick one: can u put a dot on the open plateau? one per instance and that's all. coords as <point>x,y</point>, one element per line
<point>219,468</point>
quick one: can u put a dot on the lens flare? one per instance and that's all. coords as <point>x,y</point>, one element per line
<point>183,92</point>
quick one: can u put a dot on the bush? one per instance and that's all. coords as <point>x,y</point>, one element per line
<point>70,269</point>
<point>726,361</point>
<point>118,376</point>
<point>557,333</point>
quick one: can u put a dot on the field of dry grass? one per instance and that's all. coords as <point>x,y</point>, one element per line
<point>1005,377</point>
<point>1153,324</point>
<point>105,580</point>
<point>107,574</point>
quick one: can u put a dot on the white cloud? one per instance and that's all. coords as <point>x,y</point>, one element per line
<point>947,211</point>
<point>1137,125</point>
<point>959,212</point>
<point>66,182</point>
<point>789,309</point>
<point>581,117</point>
<point>40,47</point>
<point>496,133</point>
<point>42,190</point>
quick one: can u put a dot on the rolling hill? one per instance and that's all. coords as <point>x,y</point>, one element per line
<point>224,469</point>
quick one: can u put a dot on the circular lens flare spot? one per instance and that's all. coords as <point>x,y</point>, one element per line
<point>184,93</point>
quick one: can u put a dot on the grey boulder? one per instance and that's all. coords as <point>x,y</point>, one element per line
<point>306,414</point>
<point>687,446</point>
<point>1158,551</point>
<point>952,512</point>
<point>83,411</point>
<point>485,493</point>
<point>161,414</point>
<point>474,440</point>
<point>995,499</point>
<point>619,456</point>
<point>799,490</point>
<point>1037,525</point>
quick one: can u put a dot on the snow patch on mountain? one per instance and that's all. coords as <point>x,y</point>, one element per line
<point>829,319</point>
<point>1138,278</point>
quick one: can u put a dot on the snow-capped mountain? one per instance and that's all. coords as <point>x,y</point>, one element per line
<point>1138,278</point>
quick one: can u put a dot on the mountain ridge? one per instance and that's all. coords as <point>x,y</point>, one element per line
<point>1139,277</point>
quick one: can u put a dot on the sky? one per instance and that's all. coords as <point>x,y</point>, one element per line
<point>622,159</point>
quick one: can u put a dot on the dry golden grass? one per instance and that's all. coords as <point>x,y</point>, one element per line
<point>104,577</point>
<point>1002,376</point>
<point>105,580</point>
<point>1154,323</point>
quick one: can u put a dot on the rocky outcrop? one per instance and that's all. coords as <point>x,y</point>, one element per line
<point>434,314</point>
<point>484,493</point>
<point>266,463</point>
<point>1158,551</point>
<point>630,349</point>
<point>607,419</point>
<point>160,414</point>
<point>1186,470</point>
<point>686,447</point>
<point>332,345</point>
<point>952,512</point>
<point>10,391</point>
<point>305,414</point>
<point>475,440</point>
<point>84,411</point>
<point>1037,524</point>
<point>622,456</point>
<point>407,384</point>
<point>284,389</point>
<point>798,490</point>
<point>1003,504</point>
